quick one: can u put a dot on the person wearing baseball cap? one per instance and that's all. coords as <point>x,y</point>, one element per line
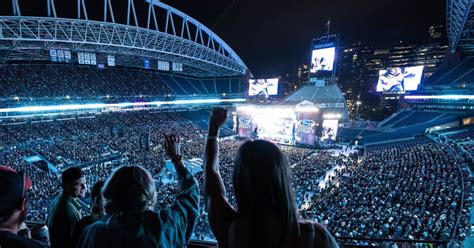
<point>14,208</point>
<point>65,208</point>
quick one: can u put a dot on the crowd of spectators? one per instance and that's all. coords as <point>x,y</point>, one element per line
<point>408,189</point>
<point>46,80</point>
<point>412,189</point>
<point>461,136</point>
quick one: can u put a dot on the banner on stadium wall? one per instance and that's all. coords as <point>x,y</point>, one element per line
<point>87,59</point>
<point>67,56</point>
<point>110,60</point>
<point>93,59</point>
<point>177,66</point>
<point>53,54</point>
<point>80,58</point>
<point>58,55</point>
<point>146,64</point>
<point>163,65</point>
<point>61,56</point>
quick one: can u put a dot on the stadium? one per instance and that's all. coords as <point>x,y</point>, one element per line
<point>98,94</point>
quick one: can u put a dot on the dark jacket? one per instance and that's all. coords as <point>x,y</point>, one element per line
<point>10,240</point>
<point>171,227</point>
<point>63,216</point>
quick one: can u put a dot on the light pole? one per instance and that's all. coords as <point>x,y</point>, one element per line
<point>358,103</point>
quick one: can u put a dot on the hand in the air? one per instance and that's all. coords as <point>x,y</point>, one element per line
<point>218,117</point>
<point>172,145</point>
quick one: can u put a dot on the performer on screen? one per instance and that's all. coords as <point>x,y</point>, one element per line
<point>320,64</point>
<point>315,64</point>
<point>393,79</point>
<point>260,87</point>
<point>324,64</point>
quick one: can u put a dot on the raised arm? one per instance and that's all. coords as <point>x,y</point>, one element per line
<point>220,212</point>
<point>183,214</point>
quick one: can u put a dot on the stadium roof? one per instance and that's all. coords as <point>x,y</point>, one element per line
<point>167,35</point>
<point>460,25</point>
<point>456,78</point>
<point>327,97</point>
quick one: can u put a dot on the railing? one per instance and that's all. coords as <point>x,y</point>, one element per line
<point>382,242</point>
<point>359,242</point>
<point>342,241</point>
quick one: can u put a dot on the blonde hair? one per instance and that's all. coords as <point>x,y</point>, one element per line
<point>129,188</point>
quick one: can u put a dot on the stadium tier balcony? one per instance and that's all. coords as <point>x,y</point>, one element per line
<point>30,84</point>
<point>417,117</point>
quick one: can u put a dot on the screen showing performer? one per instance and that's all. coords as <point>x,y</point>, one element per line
<point>322,59</point>
<point>399,79</point>
<point>329,129</point>
<point>263,87</point>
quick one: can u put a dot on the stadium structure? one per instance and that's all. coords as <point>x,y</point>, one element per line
<point>182,58</point>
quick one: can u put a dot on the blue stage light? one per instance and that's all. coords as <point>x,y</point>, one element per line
<point>117,105</point>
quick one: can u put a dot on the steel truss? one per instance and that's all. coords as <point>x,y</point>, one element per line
<point>181,39</point>
<point>460,25</point>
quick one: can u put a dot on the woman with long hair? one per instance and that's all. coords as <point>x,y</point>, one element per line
<point>266,214</point>
<point>129,202</point>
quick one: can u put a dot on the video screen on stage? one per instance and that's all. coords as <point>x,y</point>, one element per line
<point>329,129</point>
<point>283,124</point>
<point>322,59</point>
<point>399,79</point>
<point>272,123</point>
<point>263,87</point>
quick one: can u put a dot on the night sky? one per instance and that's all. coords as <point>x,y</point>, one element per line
<point>274,37</point>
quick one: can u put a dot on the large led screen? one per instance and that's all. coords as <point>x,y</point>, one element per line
<point>399,79</point>
<point>322,59</point>
<point>263,87</point>
<point>329,129</point>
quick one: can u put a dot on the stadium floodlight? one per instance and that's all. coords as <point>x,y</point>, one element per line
<point>117,105</point>
<point>332,116</point>
<point>245,108</point>
<point>445,97</point>
<point>306,109</point>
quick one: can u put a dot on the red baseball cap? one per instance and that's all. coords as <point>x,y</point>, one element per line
<point>13,186</point>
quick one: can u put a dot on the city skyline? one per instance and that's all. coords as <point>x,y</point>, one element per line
<point>282,39</point>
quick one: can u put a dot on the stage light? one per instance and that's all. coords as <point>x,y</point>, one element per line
<point>332,116</point>
<point>111,105</point>
<point>306,109</point>
<point>445,97</point>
